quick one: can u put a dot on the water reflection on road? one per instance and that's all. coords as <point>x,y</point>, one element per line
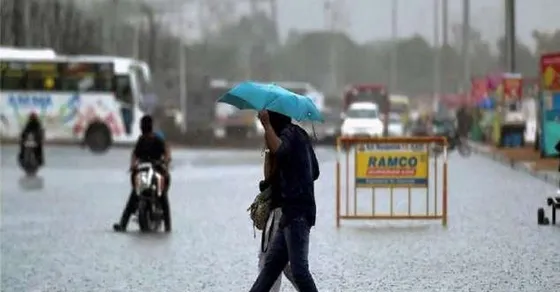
<point>58,238</point>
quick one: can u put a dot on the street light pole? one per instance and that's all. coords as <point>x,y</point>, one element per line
<point>437,59</point>
<point>331,20</point>
<point>445,21</point>
<point>510,35</point>
<point>183,93</point>
<point>394,53</point>
<point>466,44</point>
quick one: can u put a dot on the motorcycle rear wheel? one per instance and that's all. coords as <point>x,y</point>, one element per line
<point>464,149</point>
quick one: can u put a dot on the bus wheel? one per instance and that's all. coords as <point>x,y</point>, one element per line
<point>98,138</point>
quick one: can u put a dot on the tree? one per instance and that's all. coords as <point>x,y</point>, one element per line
<point>526,62</point>
<point>547,41</point>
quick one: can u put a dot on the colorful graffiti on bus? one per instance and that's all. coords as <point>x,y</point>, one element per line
<point>56,111</point>
<point>43,105</point>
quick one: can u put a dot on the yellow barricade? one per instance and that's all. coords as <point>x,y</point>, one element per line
<point>400,169</point>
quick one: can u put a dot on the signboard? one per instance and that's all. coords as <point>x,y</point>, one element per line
<point>479,89</point>
<point>550,103</point>
<point>512,87</point>
<point>550,72</point>
<point>392,165</point>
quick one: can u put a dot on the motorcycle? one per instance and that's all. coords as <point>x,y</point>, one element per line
<point>454,141</point>
<point>29,160</point>
<point>148,186</point>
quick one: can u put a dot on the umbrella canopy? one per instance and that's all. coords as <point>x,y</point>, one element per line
<point>260,96</point>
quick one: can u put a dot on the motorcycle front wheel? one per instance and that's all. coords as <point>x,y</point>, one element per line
<point>464,149</point>
<point>148,218</point>
<point>29,164</point>
<point>144,216</point>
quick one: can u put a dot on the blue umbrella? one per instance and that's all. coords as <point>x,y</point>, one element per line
<point>260,96</point>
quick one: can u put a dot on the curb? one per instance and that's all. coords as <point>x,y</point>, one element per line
<point>519,166</point>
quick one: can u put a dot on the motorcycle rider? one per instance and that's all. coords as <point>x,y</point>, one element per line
<point>149,147</point>
<point>464,121</point>
<point>35,128</point>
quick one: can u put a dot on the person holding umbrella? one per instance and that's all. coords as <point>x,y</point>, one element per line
<point>272,181</point>
<point>298,169</point>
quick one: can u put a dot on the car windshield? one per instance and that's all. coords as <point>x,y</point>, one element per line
<point>362,113</point>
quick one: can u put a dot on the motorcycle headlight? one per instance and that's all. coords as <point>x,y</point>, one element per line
<point>143,180</point>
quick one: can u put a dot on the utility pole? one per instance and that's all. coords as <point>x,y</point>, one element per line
<point>437,46</point>
<point>27,31</point>
<point>183,91</point>
<point>509,39</point>
<point>274,15</point>
<point>445,21</point>
<point>331,20</point>
<point>466,44</point>
<point>393,77</point>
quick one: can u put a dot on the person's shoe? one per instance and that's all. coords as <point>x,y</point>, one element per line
<point>118,227</point>
<point>167,225</point>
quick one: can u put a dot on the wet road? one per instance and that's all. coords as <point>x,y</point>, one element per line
<point>59,238</point>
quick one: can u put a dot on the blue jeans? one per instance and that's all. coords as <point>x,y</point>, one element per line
<point>290,244</point>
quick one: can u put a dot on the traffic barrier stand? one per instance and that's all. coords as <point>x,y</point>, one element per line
<point>554,204</point>
<point>391,173</point>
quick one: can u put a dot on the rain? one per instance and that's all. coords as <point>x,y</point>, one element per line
<point>57,225</point>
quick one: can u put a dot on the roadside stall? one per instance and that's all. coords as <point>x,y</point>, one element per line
<point>549,104</point>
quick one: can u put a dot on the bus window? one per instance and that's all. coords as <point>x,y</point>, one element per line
<point>87,77</point>
<point>144,84</point>
<point>12,76</point>
<point>123,89</point>
<point>105,77</point>
<point>42,76</point>
<point>399,107</point>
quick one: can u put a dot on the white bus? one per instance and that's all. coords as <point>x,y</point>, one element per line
<point>95,100</point>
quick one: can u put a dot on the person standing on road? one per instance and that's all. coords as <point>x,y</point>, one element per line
<point>272,180</point>
<point>298,169</point>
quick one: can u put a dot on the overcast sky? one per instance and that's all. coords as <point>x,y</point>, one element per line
<point>371,19</point>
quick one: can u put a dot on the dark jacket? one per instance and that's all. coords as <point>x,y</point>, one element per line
<point>273,181</point>
<point>34,128</point>
<point>464,121</point>
<point>298,169</point>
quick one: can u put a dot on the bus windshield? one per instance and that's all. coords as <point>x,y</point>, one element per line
<point>374,96</point>
<point>52,76</point>
<point>399,108</point>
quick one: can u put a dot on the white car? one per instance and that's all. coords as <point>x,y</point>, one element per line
<point>395,127</point>
<point>362,119</point>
